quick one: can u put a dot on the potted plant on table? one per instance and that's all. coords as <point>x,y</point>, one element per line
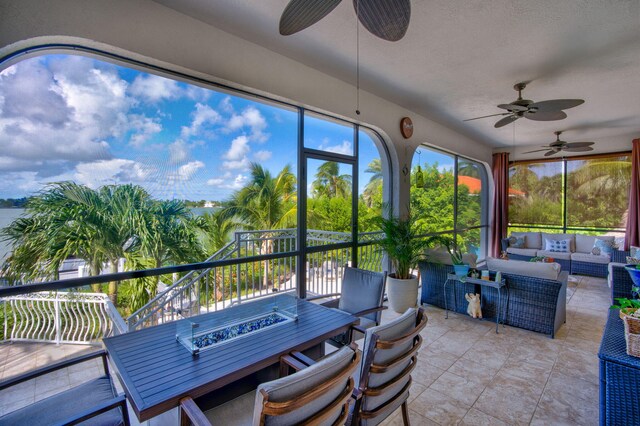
<point>404,246</point>
<point>630,315</point>
<point>460,268</point>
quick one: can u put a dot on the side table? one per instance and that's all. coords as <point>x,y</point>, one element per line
<point>619,377</point>
<point>498,285</point>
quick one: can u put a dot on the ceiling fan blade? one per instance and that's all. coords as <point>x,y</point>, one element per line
<point>578,144</point>
<point>513,108</point>
<point>486,116</point>
<point>550,153</point>
<point>301,14</point>
<point>387,19</point>
<point>537,150</point>
<point>556,104</point>
<point>504,121</point>
<point>545,116</point>
<point>578,149</point>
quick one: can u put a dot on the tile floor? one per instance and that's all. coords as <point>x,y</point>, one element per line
<point>467,374</point>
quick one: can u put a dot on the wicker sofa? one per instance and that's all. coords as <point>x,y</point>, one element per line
<point>579,261</point>
<point>619,281</point>
<point>536,303</point>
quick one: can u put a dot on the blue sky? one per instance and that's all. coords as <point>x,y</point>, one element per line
<point>68,117</point>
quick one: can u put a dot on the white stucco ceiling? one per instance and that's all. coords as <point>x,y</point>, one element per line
<point>461,58</point>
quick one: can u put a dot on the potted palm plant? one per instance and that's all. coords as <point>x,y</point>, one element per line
<point>460,268</point>
<point>404,246</point>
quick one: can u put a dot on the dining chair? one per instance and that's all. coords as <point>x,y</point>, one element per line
<point>94,402</point>
<point>361,295</point>
<point>390,354</point>
<point>319,394</point>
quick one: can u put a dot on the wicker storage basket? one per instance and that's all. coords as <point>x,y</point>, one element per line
<point>631,333</point>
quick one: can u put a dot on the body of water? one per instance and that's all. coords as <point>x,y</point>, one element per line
<point>9,215</point>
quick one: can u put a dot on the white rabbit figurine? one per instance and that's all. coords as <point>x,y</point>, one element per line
<point>474,305</point>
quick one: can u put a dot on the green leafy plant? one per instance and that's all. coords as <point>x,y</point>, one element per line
<point>454,250</point>
<point>403,243</point>
<point>625,303</point>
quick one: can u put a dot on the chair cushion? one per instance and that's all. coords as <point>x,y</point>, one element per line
<point>532,240</point>
<point>591,258</point>
<point>554,254</point>
<point>361,290</point>
<point>290,387</point>
<point>517,241</point>
<point>390,331</point>
<point>585,243</point>
<point>233,413</point>
<point>559,237</point>
<point>61,406</point>
<point>548,271</point>
<point>522,251</point>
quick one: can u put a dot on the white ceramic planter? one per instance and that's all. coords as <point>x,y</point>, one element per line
<point>402,294</point>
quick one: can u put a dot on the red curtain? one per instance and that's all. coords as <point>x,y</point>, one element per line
<point>500,201</point>
<point>632,236</point>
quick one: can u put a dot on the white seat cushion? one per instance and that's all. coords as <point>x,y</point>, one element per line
<point>591,258</point>
<point>548,271</point>
<point>522,251</point>
<point>554,254</point>
<point>532,240</point>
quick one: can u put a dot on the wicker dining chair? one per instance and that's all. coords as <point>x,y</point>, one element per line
<point>319,394</point>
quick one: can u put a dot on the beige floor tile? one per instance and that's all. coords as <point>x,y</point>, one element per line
<point>510,399</point>
<point>461,389</point>
<point>425,374</point>
<point>455,342</point>
<point>415,419</point>
<point>439,407</point>
<point>476,417</point>
<point>476,371</point>
<point>579,364</point>
<point>440,359</point>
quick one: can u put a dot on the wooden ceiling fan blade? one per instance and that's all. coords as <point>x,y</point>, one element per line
<point>387,19</point>
<point>301,14</point>
<point>486,116</point>
<point>545,116</point>
<point>537,150</point>
<point>549,153</point>
<point>513,108</point>
<point>578,144</point>
<point>578,149</point>
<point>556,104</point>
<point>504,121</point>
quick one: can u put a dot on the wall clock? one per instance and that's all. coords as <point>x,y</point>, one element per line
<point>406,127</point>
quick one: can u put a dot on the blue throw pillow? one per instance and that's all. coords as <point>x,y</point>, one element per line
<point>601,247</point>
<point>516,242</point>
<point>557,246</point>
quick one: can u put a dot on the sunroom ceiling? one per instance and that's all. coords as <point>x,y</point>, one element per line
<point>461,58</point>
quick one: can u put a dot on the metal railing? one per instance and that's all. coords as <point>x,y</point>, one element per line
<point>60,317</point>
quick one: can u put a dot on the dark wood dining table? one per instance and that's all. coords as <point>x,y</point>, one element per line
<point>156,371</point>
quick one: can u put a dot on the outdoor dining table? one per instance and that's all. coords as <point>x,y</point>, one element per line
<point>156,371</point>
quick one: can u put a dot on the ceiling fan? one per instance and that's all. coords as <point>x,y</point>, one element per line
<point>550,110</point>
<point>559,145</point>
<point>387,19</point>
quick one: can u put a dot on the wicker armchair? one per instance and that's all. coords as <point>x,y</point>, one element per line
<point>619,281</point>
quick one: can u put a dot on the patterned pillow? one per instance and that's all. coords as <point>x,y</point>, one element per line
<point>558,246</point>
<point>516,242</point>
<point>603,247</point>
<point>632,261</point>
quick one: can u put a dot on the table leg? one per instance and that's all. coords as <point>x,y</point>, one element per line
<point>499,309</point>
<point>444,290</point>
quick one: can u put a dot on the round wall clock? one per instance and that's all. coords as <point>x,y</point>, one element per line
<point>406,127</point>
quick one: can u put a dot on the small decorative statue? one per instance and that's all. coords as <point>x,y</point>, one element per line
<point>474,273</point>
<point>474,305</point>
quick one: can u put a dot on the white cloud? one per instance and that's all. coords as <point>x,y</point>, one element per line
<point>185,172</point>
<point>143,129</point>
<point>153,88</point>
<point>226,106</point>
<point>202,116</point>
<point>106,172</point>
<point>262,155</point>
<point>178,152</point>
<point>251,118</point>
<point>227,181</point>
<point>345,147</point>
<point>239,149</point>
<point>242,164</point>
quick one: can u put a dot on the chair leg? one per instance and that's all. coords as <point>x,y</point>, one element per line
<point>405,414</point>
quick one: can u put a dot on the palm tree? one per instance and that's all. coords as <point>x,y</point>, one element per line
<point>265,203</point>
<point>330,182</point>
<point>374,186</point>
<point>216,227</point>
